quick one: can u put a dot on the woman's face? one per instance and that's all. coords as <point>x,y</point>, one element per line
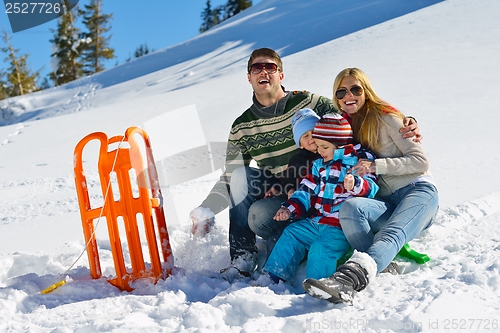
<point>350,103</point>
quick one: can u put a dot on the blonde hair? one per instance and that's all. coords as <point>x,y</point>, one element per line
<point>365,122</point>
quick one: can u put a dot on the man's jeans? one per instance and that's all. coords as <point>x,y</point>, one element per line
<point>250,213</point>
<point>381,228</point>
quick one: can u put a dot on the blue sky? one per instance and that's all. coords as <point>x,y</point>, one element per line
<point>157,23</point>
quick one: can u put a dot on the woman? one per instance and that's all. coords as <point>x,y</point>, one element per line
<point>405,204</point>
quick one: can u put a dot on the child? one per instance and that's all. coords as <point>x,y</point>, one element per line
<point>327,185</point>
<point>303,122</point>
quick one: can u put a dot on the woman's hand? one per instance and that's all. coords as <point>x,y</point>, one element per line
<point>363,167</point>
<point>282,214</point>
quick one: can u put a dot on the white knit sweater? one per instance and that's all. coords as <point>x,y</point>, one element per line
<point>399,161</point>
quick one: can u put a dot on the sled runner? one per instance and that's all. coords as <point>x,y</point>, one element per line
<point>406,252</point>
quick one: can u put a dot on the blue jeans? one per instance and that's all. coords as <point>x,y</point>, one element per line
<point>381,227</point>
<point>250,213</point>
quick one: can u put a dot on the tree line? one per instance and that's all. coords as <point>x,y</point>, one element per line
<point>212,16</point>
<point>82,52</point>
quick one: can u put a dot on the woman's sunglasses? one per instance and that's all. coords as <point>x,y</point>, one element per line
<point>355,90</point>
<point>256,68</point>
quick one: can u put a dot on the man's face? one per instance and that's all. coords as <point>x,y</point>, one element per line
<point>265,83</point>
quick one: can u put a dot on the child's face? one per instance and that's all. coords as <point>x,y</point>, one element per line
<point>325,149</point>
<point>307,142</point>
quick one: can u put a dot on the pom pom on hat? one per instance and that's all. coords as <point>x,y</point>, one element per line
<point>333,128</point>
<point>303,121</point>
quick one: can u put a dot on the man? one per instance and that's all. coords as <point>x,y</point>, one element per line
<point>262,133</point>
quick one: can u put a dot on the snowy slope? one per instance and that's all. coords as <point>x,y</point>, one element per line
<point>435,64</point>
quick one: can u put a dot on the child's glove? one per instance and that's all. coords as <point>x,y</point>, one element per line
<point>202,221</point>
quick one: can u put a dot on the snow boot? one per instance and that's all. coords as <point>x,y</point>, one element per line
<point>352,276</point>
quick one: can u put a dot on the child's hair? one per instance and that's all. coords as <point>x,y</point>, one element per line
<point>365,123</point>
<point>266,53</point>
<point>302,122</point>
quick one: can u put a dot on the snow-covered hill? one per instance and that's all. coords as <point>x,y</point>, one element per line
<point>437,63</point>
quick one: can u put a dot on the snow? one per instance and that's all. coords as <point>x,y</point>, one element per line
<point>438,63</point>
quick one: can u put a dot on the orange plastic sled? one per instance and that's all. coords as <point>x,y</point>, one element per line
<point>147,201</point>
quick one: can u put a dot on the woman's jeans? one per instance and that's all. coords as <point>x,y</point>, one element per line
<point>381,227</point>
<point>250,213</point>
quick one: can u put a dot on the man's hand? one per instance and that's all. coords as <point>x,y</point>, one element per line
<point>282,214</point>
<point>202,220</point>
<point>410,130</point>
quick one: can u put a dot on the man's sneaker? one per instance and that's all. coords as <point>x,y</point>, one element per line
<point>392,268</point>
<point>241,267</point>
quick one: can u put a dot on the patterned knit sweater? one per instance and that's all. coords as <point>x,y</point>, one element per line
<point>263,134</point>
<point>323,187</point>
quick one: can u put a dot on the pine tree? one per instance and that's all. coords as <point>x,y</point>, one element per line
<point>208,18</point>
<point>3,86</point>
<point>95,42</point>
<point>19,80</point>
<point>212,17</point>
<point>141,50</point>
<point>217,15</point>
<point>68,48</point>
<point>233,7</point>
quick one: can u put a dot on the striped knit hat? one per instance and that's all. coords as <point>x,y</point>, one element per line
<point>333,128</point>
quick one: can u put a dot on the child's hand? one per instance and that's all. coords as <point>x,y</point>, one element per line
<point>349,182</point>
<point>282,214</point>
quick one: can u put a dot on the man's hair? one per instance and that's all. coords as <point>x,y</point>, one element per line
<point>265,53</point>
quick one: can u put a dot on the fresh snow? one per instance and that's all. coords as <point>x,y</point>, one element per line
<point>438,63</point>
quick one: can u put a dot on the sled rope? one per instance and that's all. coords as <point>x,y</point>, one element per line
<point>63,281</point>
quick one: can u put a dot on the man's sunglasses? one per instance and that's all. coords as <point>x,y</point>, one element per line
<point>355,90</point>
<point>256,68</point>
